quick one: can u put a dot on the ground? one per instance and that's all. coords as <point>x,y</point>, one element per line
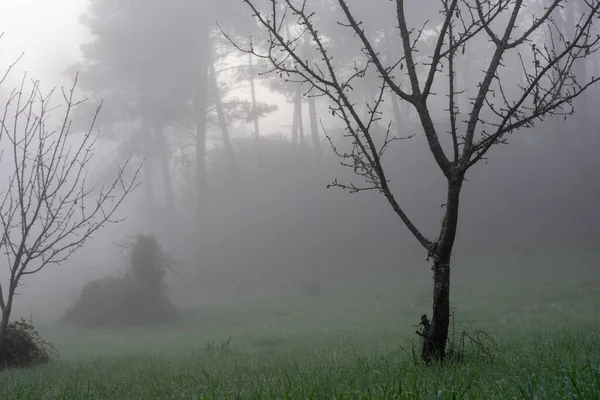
<point>354,341</point>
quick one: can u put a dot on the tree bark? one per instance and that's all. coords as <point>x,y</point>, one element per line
<point>3,329</point>
<point>435,337</point>
<point>6,311</point>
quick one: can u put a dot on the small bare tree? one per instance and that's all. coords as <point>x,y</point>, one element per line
<point>542,54</point>
<point>48,209</point>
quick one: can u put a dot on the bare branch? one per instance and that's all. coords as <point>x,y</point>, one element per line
<point>549,85</point>
<point>373,56</point>
<point>552,84</point>
<point>451,90</point>
<point>47,209</point>
<point>484,87</point>
<point>435,59</point>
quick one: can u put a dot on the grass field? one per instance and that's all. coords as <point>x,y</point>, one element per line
<point>355,341</point>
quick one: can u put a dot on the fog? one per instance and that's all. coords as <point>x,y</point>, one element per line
<point>258,218</point>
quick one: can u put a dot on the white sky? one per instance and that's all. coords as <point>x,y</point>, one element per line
<point>47,31</point>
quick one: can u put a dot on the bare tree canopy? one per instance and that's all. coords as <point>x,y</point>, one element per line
<point>48,206</point>
<point>523,39</point>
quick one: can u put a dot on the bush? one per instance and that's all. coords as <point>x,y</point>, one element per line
<point>138,297</point>
<point>23,346</point>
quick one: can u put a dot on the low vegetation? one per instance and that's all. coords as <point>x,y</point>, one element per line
<point>528,363</point>
<point>135,298</point>
<point>24,347</point>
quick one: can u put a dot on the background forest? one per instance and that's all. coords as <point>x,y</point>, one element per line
<point>237,163</point>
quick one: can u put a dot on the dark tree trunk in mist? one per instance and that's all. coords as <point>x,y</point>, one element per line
<point>254,108</point>
<point>222,119</point>
<point>435,338</point>
<point>163,159</point>
<point>6,311</point>
<point>314,128</point>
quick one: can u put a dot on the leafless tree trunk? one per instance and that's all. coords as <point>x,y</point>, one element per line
<point>48,209</point>
<point>6,310</point>
<point>495,112</point>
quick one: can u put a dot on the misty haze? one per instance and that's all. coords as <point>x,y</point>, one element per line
<point>305,199</point>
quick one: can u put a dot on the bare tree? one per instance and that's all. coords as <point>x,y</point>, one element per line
<point>48,209</point>
<point>501,106</point>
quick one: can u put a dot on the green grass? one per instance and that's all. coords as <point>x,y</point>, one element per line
<point>356,341</point>
<point>530,363</point>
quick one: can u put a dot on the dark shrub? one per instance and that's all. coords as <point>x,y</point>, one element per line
<point>149,264</point>
<point>138,297</point>
<point>23,346</point>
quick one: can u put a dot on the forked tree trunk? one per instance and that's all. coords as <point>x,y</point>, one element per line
<point>436,336</point>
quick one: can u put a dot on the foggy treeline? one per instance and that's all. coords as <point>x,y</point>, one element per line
<point>237,163</point>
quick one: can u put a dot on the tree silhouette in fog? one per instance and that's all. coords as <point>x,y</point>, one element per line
<point>48,207</point>
<point>507,37</point>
